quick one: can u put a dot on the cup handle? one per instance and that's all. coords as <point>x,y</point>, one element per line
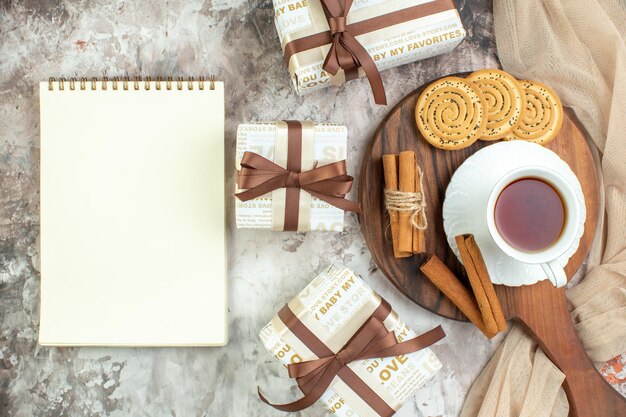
<point>555,273</point>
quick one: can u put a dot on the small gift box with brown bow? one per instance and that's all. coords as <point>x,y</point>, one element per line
<point>291,176</point>
<point>328,42</point>
<point>347,349</point>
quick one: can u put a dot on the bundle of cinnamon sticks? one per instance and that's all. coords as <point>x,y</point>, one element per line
<point>403,186</point>
<point>481,307</point>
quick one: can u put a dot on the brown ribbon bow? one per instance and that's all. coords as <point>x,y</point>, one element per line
<point>259,176</point>
<point>346,51</point>
<point>372,340</point>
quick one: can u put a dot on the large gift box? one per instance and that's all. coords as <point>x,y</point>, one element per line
<point>327,42</point>
<point>292,176</point>
<point>347,348</point>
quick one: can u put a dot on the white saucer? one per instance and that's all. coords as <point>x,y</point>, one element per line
<point>465,205</point>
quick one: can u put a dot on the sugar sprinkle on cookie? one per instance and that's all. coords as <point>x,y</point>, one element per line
<point>504,97</point>
<point>450,113</point>
<point>543,114</point>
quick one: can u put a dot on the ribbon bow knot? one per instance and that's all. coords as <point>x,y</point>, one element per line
<point>346,52</point>
<point>343,358</point>
<point>330,183</point>
<point>337,25</point>
<point>293,180</point>
<point>372,340</point>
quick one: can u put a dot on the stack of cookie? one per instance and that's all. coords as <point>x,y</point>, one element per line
<point>490,104</point>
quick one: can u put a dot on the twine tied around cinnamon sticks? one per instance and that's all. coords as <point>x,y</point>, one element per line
<point>408,201</point>
<point>405,203</point>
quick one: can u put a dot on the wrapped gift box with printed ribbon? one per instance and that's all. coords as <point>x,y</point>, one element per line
<point>292,176</point>
<point>347,349</point>
<point>327,42</point>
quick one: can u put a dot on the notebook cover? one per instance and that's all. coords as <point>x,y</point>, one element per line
<point>132,216</point>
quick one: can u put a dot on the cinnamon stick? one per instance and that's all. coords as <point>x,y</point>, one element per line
<point>476,282</point>
<point>483,274</point>
<point>439,274</point>
<point>390,170</point>
<point>419,236</point>
<point>406,179</point>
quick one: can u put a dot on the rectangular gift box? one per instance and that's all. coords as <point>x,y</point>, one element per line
<point>333,307</point>
<point>321,144</point>
<point>433,28</point>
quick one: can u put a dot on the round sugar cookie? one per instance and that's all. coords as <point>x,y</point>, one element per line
<point>450,113</point>
<point>543,114</point>
<point>504,98</point>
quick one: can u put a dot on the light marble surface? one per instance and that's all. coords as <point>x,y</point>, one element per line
<point>236,40</point>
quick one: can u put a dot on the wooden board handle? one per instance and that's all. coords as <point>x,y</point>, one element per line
<point>588,393</point>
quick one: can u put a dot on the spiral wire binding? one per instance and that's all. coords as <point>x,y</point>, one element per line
<point>125,81</point>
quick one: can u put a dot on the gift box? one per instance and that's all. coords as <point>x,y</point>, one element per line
<point>327,42</point>
<point>347,348</point>
<point>292,176</point>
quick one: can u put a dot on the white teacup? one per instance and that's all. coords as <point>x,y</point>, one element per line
<point>546,257</point>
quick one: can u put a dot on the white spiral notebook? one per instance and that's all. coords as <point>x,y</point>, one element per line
<point>132,213</point>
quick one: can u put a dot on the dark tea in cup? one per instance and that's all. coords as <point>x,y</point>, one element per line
<point>534,215</point>
<point>529,214</point>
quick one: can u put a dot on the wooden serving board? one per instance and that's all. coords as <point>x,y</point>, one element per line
<point>541,308</point>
